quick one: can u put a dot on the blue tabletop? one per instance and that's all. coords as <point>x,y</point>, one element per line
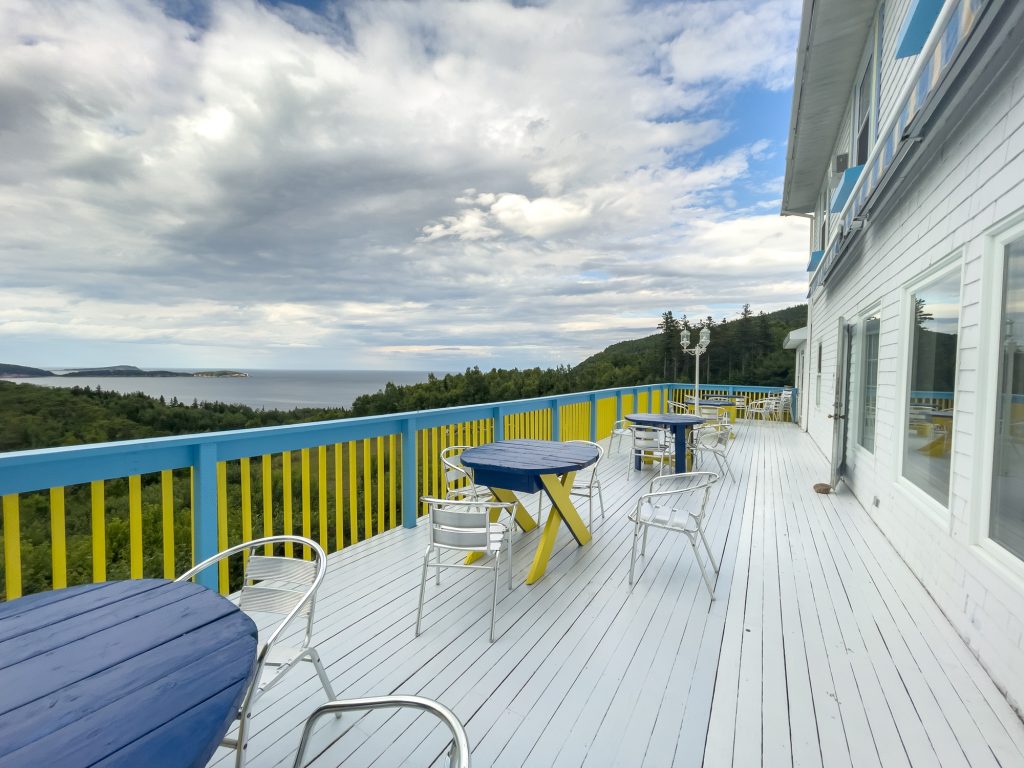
<point>672,420</point>
<point>131,673</point>
<point>516,465</point>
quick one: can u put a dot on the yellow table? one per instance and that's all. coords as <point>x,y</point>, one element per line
<point>532,466</point>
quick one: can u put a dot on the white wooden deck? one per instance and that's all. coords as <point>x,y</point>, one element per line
<point>820,649</point>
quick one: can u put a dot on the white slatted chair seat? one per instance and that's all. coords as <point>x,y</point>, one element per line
<point>676,503</point>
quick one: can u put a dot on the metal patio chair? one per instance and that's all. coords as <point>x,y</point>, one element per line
<point>458,755</point>
<point>458,478</point>
<point>676,503</point>
<point>677,407</point>
<point>465,526</point>
<point>714,440</point>
<point>586,482</point>
<point>620,429</point>
<point>652,444</point>
<point>278,586</point>
<point>741,407</point>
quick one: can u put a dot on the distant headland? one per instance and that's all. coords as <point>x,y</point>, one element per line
<point>10,371</point>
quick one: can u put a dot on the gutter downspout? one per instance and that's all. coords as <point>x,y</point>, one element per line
<point>805,400</point>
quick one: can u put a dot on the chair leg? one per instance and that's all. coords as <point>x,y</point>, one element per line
<point>423,588</point>
<point>600,497</point>
<point>703,571</point>
<point>643,548</point>
<point>711,556</point>
<point>510,569</point>
<point>438,567</point>
<point>632,553</point>
<point>494,591</point>
<point>243,738</point>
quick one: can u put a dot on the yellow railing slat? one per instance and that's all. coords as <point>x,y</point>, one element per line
<point>245,489</point>
<point>286,497</point>
<point>339,511</point>
<point>353,499</point>
<point>306,521</point>
<point>58,541</point>
<point>135,526</point>
<point>222,523</point>
<point>99,532</point>
<point>424,458</point>
<point>268,502</point>
<point>392,484</point>
<point>167,521</point>
<point>380,484</point>
<point>321,495</point>
<point>12,546</point>
<point>367,490</point>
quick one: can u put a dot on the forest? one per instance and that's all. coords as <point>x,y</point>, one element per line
<point>747,350</point>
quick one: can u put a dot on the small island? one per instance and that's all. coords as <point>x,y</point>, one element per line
<point>11,371</point>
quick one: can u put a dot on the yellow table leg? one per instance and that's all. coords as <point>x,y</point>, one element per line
<point>562,508</point>
<point>523,518</point>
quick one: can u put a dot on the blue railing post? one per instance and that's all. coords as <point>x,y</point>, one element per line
<point>499,423</point>
<point>593,417</point>
<point>618,405</point>
<point>409,501</point>
<point>556,420</point>
<point>204,522</point>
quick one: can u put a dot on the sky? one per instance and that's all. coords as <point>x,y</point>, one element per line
<point>387,185</point>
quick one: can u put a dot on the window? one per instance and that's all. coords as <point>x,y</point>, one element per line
<point>817,384</point>
<point>1006,519</point>
<point>862,128</point>
<point>927,448</point>
<point>869,385</point>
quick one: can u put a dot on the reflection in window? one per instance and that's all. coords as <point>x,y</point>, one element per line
<point>869,384</point>
<point>1006,521</point>
<point>927,449</point>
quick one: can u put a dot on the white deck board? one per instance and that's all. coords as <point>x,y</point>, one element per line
<point>821,647</point>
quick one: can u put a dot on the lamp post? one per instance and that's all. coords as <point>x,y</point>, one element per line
<point>703,340</point>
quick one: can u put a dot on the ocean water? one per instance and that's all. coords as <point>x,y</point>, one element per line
<point>269,389</point>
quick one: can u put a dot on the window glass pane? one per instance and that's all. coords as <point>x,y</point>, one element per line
<point>1006,522</point>
<point>869,384</point>
<point>926,455</point>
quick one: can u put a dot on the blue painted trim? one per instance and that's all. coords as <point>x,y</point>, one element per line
<point>917,25</point>
<point>499,423</point>
<point>593,417</point>
<point>556,420</point>
<point>815,260</point>
<point>845,187</point>
<point>204,522</point>
<point>409,450</point>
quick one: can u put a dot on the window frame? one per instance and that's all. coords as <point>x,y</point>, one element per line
<point>874,310</point>
<point>951,264</point>
<point>990,322</point>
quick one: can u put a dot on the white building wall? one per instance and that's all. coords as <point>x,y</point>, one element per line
<point>973,185</point>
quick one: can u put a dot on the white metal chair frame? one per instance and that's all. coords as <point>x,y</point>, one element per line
<point>677,407</point>
<point>586,481</point>
<point>465,526</point>
<point>276,585</point>
<point>712,439</point>
<point>458,478</point>
<point>620,429</point>
<point>651,443</point>
<point>664,509</point>
<point>458,756</point>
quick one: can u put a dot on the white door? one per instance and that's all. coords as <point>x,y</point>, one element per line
<point>842,396</point>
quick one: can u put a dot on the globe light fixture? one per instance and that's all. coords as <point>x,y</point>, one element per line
<point>703,340</point>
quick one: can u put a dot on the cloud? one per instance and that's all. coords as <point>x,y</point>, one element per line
<point>382,177</point>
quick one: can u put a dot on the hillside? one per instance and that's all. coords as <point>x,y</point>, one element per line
<point>11,371</point>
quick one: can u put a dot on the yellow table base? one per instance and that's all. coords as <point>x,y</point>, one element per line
<point>562,508</point>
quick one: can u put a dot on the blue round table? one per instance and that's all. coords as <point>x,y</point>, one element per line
<point>125,673</point>
<point>678,423</point>
<point>532,466</point>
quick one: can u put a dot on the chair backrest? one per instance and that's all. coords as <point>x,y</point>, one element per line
<point>464,525</point>
<point>674,499</point>
<point>719,399</point>
<point>739,402</point>
<point>675,407</point>
<point>621,426</point>
<point>456,475</point>
<point>714,437</point>
<point>283,586</point>
<point>649,438</point>
<point>710,411</point>
<point>586,475</point>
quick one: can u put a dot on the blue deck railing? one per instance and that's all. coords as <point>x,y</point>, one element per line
<point>367,475</point>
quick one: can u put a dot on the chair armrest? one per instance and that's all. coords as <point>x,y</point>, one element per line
<point>460,753</point>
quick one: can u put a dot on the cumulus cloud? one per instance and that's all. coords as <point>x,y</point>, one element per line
<point>363,183</point>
